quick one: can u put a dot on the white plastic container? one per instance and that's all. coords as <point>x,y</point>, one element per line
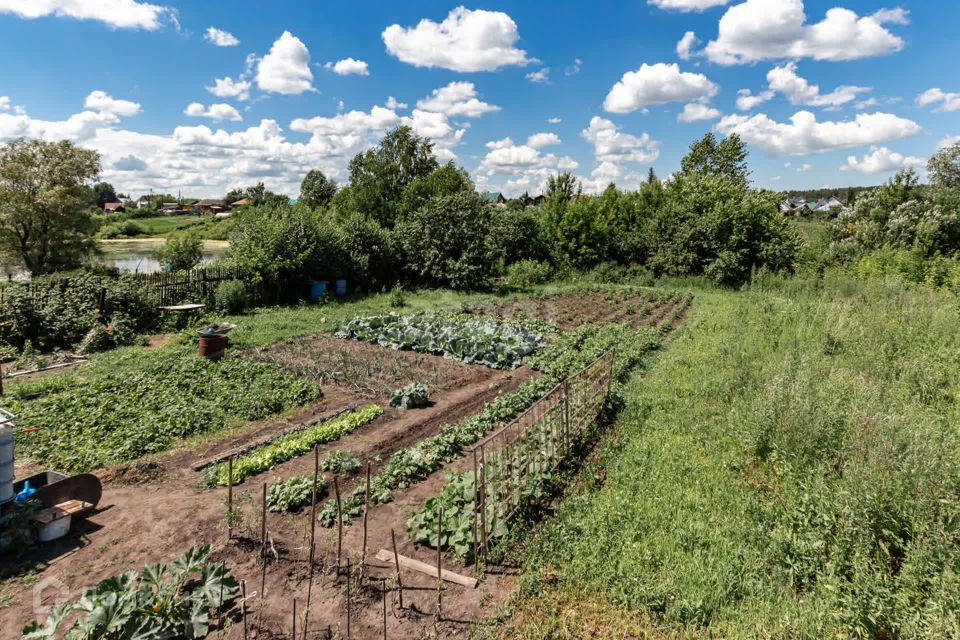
<point>6,464</point>
<point>54,530</point>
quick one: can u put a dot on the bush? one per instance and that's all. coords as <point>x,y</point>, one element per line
<point>232,297</point>
<point>449,242</point>
<point>613,273</point>
<point>58,313</point>
<point>283,248</point>
<point>181,252</point>
<point>126,229</point>
<point>528,273</point>
<point>398,297</point>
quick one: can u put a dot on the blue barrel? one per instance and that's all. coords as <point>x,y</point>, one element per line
<point>340,288</point>
<point>318,291</point>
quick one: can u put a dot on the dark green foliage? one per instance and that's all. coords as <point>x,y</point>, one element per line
<point>175,601</point>
<point>232,297</point>
<point>67,309</point>
<point>317,190</point>
<point>340,463</point>
<point>136,403</point>
<point>449,242</point>
<point>283,248</point>
<point>443,181</point>
<point>528,273</point>
<point>44,221</point>
<point>520,234</point>
<point>181,252</point>
<point>379,176</point>
<point>726,158</point>
<point>103,192</point>
<point>715,227</point>
<point>373,252</point>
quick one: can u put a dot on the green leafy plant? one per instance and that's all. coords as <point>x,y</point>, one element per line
<point>232,297</point>
<point>398,297</point>
<point>174,601</point>
<point>293,493</point>
<point>340,462</point>
<point>475,341</point>
<point>412,396</point>
<point>129,404</point>
<point>291,446</point>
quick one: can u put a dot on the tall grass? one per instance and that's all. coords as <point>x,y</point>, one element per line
<point>789,468</point>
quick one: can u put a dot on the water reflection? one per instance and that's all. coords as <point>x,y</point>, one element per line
<point>135,256</point>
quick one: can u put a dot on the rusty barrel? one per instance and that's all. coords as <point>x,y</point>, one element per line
<point>212,346</point>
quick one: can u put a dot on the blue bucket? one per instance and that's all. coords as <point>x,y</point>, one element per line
<point>318,291</point>
<point>340,288</point>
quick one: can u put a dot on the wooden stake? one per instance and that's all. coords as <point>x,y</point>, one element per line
<point>439,568</point>
<point>313,532</point>
<point>483,501</point>
<point>476,503</point>
<point>396,561</point>
<point>293,633</point>
<point>336,489</point>
<point>243,606</point>
<point>366,508</point>
<point>349,575</point>
<point>384,587</point>
<point>263,555</point>
<point>230,499</point>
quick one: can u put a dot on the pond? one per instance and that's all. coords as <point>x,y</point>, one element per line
<point>135,255</point>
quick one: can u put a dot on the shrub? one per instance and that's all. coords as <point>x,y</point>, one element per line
<point>232,297</point>
<point>398,297</point>
<point>449,242</point>
<point>528,273</point>
<point>125,229</point>
<point>58,313</point>
<point>181,252</point>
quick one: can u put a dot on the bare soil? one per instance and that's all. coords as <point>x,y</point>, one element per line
<point>570,310</point>
<point>152,510</point>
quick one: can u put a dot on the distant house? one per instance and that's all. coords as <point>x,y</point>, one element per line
<point>539,200</point>
<point>242,202</point>
<point>144,202</point>
<point>494,198</point>
<point>825,205</point>
<point>113,207</point>
<point>170,208</point>
<point>212,206</point>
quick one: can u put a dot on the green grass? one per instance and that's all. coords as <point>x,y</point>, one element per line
<point>787,469</point>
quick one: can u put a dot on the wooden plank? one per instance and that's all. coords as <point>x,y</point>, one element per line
<point>62,510</point>
<point>409,563</point>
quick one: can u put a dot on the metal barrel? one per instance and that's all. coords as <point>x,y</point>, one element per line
<point>6,463</point>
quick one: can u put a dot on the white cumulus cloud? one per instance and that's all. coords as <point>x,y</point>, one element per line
<point>686,44</point>
<point>286,68</point>
<point>697,111</point>
<point>220,38</point>
<point>617,155</point>
<point>456,99</point>
<point>230,88</point>
<point>687,5</point>
<point>946,101</point>
<point>465,41</point>
<point>746,100</point>
<point>100,101</point>
<point>119,14</point>
<point>803,134</point>
<point>657,84</point>
<point>799,91</point>
<point>524,167</point>
<point>882,160</point>
<point>776,29</point>
<point>541,140</point>
<point>348,66</point>
<point>216,112</point>
<point>539,77</point>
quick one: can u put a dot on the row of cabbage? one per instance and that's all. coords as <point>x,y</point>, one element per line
<point>473,340</point>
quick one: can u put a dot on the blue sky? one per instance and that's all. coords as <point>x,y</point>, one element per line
<point>841,92</point>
